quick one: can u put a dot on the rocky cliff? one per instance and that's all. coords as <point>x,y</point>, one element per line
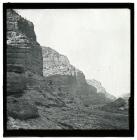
<point>23,51</point>
<point>24,60</point>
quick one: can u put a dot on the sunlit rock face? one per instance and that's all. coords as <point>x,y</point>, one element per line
<point>57,64</point>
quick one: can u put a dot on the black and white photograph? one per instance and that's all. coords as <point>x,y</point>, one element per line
<point>68,69</point>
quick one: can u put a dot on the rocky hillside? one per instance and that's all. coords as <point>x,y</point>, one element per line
<point>61,99</point>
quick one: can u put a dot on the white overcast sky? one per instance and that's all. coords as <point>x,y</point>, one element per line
<point>96,41</point>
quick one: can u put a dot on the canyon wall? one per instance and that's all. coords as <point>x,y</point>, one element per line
<point>58,70</point>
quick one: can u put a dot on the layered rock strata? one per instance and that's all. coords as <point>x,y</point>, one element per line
<point>24,59</point>
<point>23,52</point>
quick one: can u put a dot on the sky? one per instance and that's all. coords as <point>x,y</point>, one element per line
<point>96,41</point>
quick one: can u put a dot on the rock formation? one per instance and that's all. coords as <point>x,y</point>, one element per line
<point>24,58</point>
<point>44,91</point>
<point>23,52</point>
